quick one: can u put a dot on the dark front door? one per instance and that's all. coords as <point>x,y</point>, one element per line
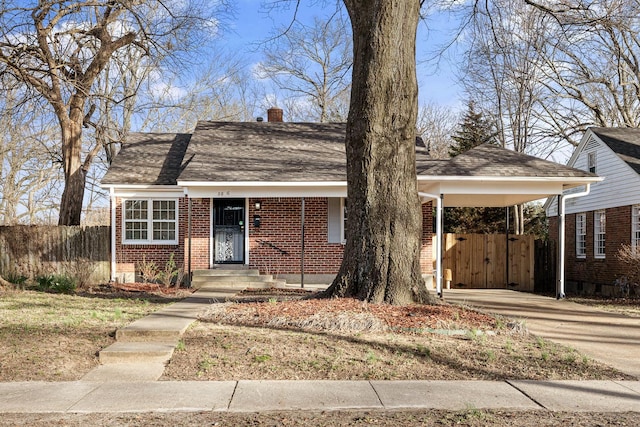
<point>228,229</point>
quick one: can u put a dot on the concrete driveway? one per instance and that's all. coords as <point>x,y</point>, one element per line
<point>610,338</point>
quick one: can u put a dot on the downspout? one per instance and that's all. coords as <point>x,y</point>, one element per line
<point>112,196</point>
<point>189,274</point>
<point>438,248</point>
<point>561,237</point>
<point>302,244</point>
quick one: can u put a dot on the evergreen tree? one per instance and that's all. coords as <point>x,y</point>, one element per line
<point>474,130</point>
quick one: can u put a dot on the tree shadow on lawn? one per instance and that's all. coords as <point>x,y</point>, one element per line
<point>451,361</point>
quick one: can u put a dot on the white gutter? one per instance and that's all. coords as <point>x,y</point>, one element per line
<point>561,237</point>
<point>262,183</point>
<point>438,248</point>
<point>112,196</point>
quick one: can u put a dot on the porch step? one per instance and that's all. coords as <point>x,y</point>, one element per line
<point>234,279</point>
<point>227,272</point>
<point>231,278</point>
<point>238,286</point>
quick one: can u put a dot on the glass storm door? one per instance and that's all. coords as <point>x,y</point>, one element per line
<point>228,226</point>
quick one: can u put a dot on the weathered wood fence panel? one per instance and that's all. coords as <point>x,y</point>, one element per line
<point>480,260</point>
<point>33,250</point>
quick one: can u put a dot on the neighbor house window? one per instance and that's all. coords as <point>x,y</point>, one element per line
<point>581,235</point>
<point>635,226</point>
<point>591,161</point>
<point>599,230</point>
<point>343,220</point>
<point>150,221</point>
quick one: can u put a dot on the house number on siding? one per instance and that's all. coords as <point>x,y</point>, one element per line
<point>224,193</point>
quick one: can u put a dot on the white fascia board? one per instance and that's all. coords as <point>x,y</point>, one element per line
<point>263,184</point>
<point>509,179</point>
<point>156,191</point>
<point>246,191</point>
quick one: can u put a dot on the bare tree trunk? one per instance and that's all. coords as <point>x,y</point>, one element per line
<point>382,255</point>
<point>74,174</point>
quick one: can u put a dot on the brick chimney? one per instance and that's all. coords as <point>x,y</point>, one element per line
<point>274,114</point>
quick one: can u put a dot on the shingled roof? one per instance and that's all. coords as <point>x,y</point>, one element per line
<point>266,152</point>
<point>149,159</point>
<point>289,152</point>
<point>491,160</point>
<point>625,142</point>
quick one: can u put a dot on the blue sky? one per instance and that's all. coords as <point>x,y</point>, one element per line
<point>252,24</point>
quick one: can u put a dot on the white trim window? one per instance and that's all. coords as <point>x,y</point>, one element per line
<point>150,221</point>
<point>343,219</point>
<point>581,235</point>
<point>635,226</point>
<point>599,233</point>
<point>591,161</point>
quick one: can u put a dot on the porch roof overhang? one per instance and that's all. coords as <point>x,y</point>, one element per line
<point>256,189</point>
<point>497,191</point>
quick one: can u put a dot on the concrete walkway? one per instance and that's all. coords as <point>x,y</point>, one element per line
<point>128,383</point>
<point>613,339</point>
<point>259,396</point>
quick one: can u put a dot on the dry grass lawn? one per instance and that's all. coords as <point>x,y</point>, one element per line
<point>56,337</point>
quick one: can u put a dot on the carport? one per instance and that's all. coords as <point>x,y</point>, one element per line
<point>492,176</point>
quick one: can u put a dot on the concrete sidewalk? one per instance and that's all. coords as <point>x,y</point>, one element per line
<point>260,396</point>
<point>610,338</point>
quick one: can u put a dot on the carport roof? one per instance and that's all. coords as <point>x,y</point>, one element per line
<point>489,175</point>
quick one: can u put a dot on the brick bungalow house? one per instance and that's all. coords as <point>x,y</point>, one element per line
<point>597,224</point>
<point>239,193</point>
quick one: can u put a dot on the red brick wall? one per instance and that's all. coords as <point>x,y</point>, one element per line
<point>280,226</point>
<point>590,274</point>
<point>127,254</point>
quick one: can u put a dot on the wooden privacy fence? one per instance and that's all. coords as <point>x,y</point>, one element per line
<point>30,250</point>
<point>481,261</point>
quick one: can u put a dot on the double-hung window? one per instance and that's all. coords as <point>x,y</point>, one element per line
<point>635,227</point>
<point>581,235</point>
<point>599,231</point>
<point>150,221</point>
<point>343,222</point>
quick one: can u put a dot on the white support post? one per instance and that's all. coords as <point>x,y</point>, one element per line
<point>112,198</point>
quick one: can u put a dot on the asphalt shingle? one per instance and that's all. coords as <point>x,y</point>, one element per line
<point>625,142</point>
<point>149,158</point>
<point>266,152</point>
<point>495,161</point>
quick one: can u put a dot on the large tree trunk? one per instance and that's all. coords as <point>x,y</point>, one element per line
<point>382,255</point>
<point>74,175</point>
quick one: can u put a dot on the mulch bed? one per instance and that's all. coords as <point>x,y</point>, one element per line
<point>410,318</point>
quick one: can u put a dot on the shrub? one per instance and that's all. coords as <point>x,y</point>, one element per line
<point>17,279</point>
<point>82,269</point>
<point>630,257</point>
<point>148,270</point>
<point>169,273</point>
<point>57,283</point>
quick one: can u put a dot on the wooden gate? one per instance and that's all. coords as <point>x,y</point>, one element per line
<point>480,261</point>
